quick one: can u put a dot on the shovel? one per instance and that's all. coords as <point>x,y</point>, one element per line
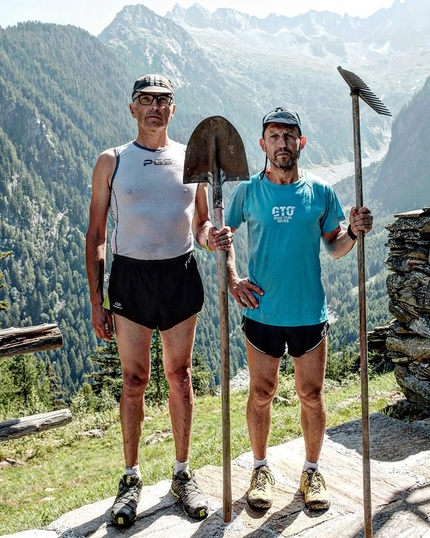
<point>215,153</point>
<point>359,89</point>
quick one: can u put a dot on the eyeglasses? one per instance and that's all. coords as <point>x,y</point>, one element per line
<point>147,99</point>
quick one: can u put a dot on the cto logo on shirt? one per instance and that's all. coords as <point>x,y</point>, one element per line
<point>283,213</point>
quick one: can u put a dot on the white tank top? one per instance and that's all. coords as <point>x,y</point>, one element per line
<point>152,208</point>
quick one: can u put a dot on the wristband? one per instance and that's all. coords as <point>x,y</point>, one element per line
<point>351,233</point>
<point>207,247</point>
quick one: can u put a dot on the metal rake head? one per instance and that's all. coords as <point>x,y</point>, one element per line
<point>360,88</point>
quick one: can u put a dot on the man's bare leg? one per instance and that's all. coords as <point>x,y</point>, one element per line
<point>264,375</point>
<point>134,344</point>
<point>177,358</point>
<point>309,379</point>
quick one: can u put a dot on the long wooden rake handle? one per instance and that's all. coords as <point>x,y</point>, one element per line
<point>365,426</point>
<point>360,89</point>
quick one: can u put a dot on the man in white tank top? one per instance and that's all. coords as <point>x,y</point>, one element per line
<point>154,281</point>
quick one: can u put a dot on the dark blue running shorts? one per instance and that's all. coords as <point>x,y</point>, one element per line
<point>275,341</point>
<point>155,293</point>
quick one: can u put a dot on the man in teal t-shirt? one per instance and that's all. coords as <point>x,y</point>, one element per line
<point>287,211</point>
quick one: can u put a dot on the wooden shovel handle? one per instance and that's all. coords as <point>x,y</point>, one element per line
<point>225,370</point>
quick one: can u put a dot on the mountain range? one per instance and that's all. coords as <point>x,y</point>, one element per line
<point>281,61</point>
<point>64,98</point>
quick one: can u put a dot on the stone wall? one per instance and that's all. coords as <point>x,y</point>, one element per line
<point>407,338</point>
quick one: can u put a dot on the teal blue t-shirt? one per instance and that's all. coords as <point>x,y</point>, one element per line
<point>285,223</point>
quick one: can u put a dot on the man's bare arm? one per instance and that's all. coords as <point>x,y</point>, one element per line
<point>96,243</point>
<point>338,242</point>
<point>241,288</point>
<point>205,232</point>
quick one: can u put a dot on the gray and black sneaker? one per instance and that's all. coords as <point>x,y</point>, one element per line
<point>184,487</point>
<point>124,508</point>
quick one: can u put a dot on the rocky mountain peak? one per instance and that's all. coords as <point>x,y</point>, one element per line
<point>398,25</point>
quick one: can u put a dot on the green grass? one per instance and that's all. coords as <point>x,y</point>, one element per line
<point>63,469</point>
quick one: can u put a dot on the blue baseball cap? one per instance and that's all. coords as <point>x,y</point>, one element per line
<point>282,115</point>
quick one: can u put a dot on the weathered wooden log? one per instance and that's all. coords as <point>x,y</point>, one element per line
<point>16,341</point>
<point>20,427</point>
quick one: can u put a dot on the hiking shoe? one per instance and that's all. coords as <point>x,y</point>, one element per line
<point>260,494</point>
<point>123,511</point>
<point>184,487</point>
<point>313,487</point>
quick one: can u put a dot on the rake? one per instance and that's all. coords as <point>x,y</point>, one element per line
<point>360,90</point>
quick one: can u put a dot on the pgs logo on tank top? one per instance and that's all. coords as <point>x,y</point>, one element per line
<point>158,162</point>
<point>282,213</point>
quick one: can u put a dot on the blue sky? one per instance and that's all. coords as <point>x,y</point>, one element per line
<point>95,15</point>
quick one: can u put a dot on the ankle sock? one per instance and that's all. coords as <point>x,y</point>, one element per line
<point>133,471</point>
<point>259,463</point>
<point>310,465</point>
<point>181,466</point>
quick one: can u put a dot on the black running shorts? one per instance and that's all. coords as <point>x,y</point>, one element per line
<point>275,341</point>
<point>155,293</point>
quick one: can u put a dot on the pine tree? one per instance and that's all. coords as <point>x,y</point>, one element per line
<point>108,374</point>
<point>202,377</point>
<point>158,388</point>
<point>25,386</point>
<point>57,394</point>
<point>4,305</point>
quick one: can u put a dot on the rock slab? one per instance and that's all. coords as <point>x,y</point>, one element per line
<point>400,474</point>
<point>408,286</point>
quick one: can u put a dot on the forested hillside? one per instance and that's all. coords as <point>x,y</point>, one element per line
<point>401,179</point>
<point>54,120</point>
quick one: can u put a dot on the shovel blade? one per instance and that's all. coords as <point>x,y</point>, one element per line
<point>215,148</point>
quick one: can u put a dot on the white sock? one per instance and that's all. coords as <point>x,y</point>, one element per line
<point>310,465</point>
<point>259,463</point>
<point>181,466</point>
<point>133,471</point>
